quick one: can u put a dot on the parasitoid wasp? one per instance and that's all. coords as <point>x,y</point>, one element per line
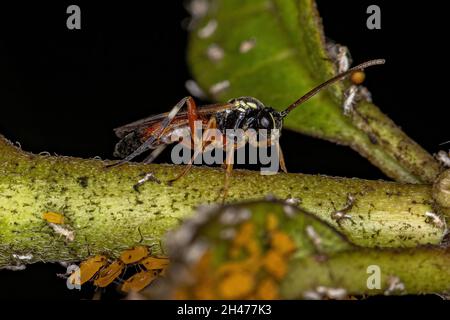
<point>154,133</point>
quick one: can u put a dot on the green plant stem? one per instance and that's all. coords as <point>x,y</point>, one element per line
<point>422,270</point>
<point>107,215</point>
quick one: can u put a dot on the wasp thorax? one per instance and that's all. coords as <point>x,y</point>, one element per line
<point>249,113</point>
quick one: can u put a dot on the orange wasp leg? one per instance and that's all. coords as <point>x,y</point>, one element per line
<point>192,114</point>
<point>192,117</point>
<point>228,169</point>
<point>281,157</point>
<point>206,135</point>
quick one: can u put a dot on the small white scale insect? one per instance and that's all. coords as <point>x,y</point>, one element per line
<point>356,92</point>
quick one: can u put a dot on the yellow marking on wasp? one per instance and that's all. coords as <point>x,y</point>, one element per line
<point>273,120</point>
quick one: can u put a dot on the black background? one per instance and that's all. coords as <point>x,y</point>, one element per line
<point>64,90</point>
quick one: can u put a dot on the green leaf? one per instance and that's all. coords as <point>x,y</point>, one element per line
<point>270,250</point>
<point>288,59</point>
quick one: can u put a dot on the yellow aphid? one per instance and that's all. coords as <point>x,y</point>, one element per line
<point>282,243</point>
<point>155,263</point>
<point>204,290</point>
<point>53,217</point>
<point>271,222</point>
<point>244,234</point>
<point>88,269</point>
<point>109,274</point>
<point>139,281</point>
<point>267,290</point>
<point>203,265</point>
<point>134,255</point>
<point>181,294</point>
<point>253,248</point>
<point>357,77</point>
<point>234,267</point>
<point>236,285</point>
<point>275,265</point>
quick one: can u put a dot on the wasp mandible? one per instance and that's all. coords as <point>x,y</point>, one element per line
<point>154,133</point>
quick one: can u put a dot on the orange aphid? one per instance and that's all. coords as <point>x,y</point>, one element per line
<point>88,269</point>
<point>53,217</point>
<point>357,77</point>
<point>109,274</point>
<point>271,222</point>
<point>181,294</point>
<point>282,243</point>
<point>139,281</point>
<point>232,267</point>
<point>155,263</point>
<point>267,290</point>
<point>204,289</point>
<point>244,234</point>
<point>134,255</point>
<point>203,265</point>
<point>253,248</point>
<point>274,264</point>
<point>236,285</point>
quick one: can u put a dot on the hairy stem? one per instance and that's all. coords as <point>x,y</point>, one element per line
<point>107,215</point>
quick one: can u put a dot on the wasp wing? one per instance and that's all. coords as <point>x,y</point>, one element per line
<point>204,111</point>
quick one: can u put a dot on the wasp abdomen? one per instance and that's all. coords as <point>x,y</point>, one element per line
<point>127,145</point>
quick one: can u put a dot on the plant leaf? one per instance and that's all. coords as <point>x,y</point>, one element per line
<point>272,250</point>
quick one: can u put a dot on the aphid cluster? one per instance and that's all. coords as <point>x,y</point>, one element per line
<point>102,272</point>
<point>254,256</point>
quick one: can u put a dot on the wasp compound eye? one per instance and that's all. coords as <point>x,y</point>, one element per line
<point>264,122</point>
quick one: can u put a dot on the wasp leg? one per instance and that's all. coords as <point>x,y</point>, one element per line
<point>150,141</point>
<point>229,168</point>
<point>211,125</point>
<point>265,144</point>
<point>192,113</point>
<point>155,153</point>
<point>281,157</point>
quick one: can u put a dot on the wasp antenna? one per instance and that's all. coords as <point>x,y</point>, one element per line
<point>327,83</point>
<point>441,144</point>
